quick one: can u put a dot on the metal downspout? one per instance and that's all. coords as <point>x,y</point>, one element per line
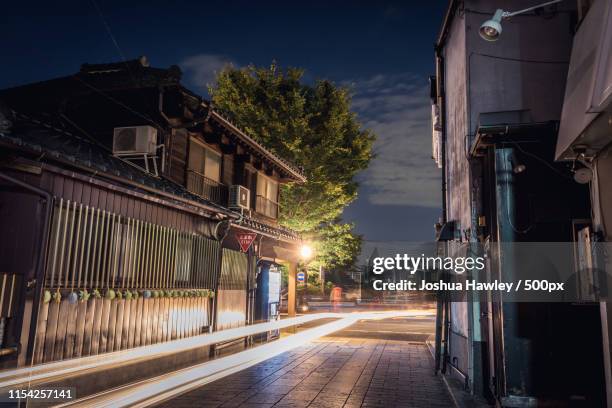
<point>442,318</point>
<point>213,313</point>
<point>505,234</point>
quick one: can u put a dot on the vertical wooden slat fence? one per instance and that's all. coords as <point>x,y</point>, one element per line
<point>114,282</point>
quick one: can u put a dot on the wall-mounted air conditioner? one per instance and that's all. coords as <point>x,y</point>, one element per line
<point>239,197</point>
<point>134,140</point>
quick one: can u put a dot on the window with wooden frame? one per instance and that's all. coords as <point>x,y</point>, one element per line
<point>204,171</point>
<point>204,160</point>
<point>267,196</point>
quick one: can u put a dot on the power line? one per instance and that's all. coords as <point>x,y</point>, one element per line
<point>108,29</point>
<point>114,40</point>
<point>110,98</point>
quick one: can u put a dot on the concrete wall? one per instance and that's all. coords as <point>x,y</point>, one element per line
<point>526,68</point>
<point>457,173</point>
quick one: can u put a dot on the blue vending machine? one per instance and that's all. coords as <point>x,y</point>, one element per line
<point>268,295</point>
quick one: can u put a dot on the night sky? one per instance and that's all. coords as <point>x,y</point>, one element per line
<point>383,50</point>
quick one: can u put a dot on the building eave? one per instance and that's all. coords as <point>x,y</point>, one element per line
<point>448,18</point>
<point>278,233</point>
<point>286,167</point>
<point>46,154</point>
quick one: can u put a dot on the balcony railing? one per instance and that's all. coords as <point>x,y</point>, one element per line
<point>206,188</point>
<point>266,207</point>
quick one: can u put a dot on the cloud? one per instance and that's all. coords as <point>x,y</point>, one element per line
<point>201,69</point>
<point>396,108</point>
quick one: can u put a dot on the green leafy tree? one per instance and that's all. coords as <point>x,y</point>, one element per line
<point>336,246</point>
<point>314,127</point>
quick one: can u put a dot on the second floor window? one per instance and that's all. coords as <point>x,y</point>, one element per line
<point>267,196</point>
<point>204,161</point>
<point>204,173</point>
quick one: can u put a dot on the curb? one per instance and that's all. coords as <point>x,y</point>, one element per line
<point>446,384</point>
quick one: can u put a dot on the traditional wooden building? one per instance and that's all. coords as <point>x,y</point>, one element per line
<point>123,196</point>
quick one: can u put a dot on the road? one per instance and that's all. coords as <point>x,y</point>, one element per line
<point>416,329</point>
<point>382,363</point>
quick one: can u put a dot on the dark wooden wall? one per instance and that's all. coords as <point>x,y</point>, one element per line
<point>227,174</point>
<point>177,149</point>
<point>22,223</point>
<point>126,205</point>
<point>182,262</point>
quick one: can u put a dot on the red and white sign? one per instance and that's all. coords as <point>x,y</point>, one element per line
<point>245,239</point>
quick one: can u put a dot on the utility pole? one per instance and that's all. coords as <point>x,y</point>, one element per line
<point>291,295</point>
<point>322,278</point>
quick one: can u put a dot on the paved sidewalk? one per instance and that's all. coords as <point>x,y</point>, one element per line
<point>332,372</point>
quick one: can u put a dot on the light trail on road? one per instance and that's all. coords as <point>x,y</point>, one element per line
<point>167,386</point>
<point>60,369</point>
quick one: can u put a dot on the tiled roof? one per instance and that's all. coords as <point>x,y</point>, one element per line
<point>55,143</point>
<point>290,168</point>
<point>137,73</point>
<point>224,119</point>
<point>279,232</point>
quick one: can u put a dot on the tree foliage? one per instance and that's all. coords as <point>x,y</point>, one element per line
<point>314,127</point>
<point>336,246</point>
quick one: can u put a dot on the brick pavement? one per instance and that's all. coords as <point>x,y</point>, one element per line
<point>329,373</point>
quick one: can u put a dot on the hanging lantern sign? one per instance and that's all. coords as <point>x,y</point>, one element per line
<point>245,239</point>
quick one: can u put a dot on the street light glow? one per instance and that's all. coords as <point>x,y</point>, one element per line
<point>305,251</point>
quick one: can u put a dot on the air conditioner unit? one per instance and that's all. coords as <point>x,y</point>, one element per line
<point>239,197</point>
<point>134,140</point>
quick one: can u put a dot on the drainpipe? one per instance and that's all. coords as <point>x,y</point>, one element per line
<point>40,262</point>
<point>443,309</point>
<point>251,270</point>
<point>213,312</point>
<point>441,92</point>
<point>505,196</point>
<point>254,269</point>
<point>442,315</point>
<point>442,106</point>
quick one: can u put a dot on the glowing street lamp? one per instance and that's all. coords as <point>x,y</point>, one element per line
<point>305,252</point>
